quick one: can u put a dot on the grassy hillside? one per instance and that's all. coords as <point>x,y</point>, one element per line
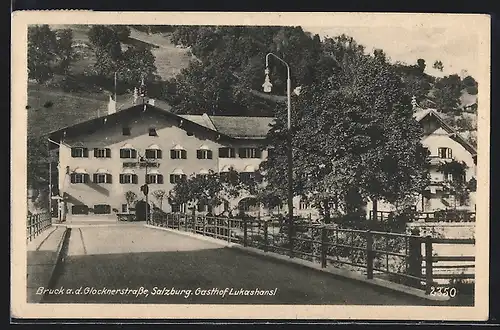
<point>169,58</point>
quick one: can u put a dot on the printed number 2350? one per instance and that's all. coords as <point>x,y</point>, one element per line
<point>443,291</point>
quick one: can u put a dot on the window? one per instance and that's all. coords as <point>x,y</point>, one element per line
<point>249,153</point>
<point>154,178</point>
<point>102,153</point>
<point>448,176</point>
<point>126,130</point>
<point>445,153</point>
<point>303,205</point>
<point>178,207</point>
<point>178,154</point>
<point>80,209</point>
<point>153,153</point>
<point>204,154</point>
<point>128,153</point>
<point>152,131</point>
<point>125,208</point>
<point>102,209</point>
<point>102,178</point>
<point>79,152</point>
<point>128,178</point>
<point>79,178</point>
<point>175,178</point>
<point>227,152</point>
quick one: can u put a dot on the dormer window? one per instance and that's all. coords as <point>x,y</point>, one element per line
<point>445,153</point>
<point>126,130</point>
<point>152,131</point>
<point>79,152</point>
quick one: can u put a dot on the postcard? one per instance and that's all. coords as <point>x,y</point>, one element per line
<point>223,165</point>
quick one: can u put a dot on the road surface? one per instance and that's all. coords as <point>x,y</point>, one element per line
<point>127,258</point>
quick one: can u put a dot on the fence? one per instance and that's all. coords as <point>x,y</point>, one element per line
<point>37,223</point>
<point>392,256</point>
<point>441,216</point>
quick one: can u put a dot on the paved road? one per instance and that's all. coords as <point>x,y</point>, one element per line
<point>134,256</point>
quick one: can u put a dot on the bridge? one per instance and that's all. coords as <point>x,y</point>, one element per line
<point>132,262</point>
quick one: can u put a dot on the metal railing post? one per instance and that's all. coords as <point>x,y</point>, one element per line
<point>229,230</point>
<point>323,246</point>
<point>204,224</point>
<point>266,242</point>
<point>245,232</point>
<point>428,264</point>
<point>369,254</point>
<point>415,258</point>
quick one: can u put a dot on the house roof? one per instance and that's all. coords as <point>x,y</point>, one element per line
<point>420,114</point>
<point>242,127</point>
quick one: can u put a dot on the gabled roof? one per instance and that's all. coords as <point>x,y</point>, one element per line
<point>242,127</point>
<point>420,114</point>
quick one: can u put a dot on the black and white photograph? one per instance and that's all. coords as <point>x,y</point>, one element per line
<point>217,164</point>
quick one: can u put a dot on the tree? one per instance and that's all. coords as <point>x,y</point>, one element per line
<point>438,65</point>
<point>41,52</point>
<point>470,85</point>
<point>457,184</point>
<point>37,162</point>
<point>107,49</point>
<point>210,189</point>
<point>447,92</point>
<point>130,198</point>
<point>354,137</point>
<point>122,32</point>
<point>137,63</point>
<point>421,64</point>
<point>160,195</point>
<point>64,50</point>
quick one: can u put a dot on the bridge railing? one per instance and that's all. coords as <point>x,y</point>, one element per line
<point>406,259</point>
<point>36,224</point>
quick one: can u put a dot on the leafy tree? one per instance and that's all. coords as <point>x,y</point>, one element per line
<point>64,50</point>
<point>354,137</point>
<point>130,197</point>
<point>122,32</point>
<point>160,195</point>
<point>137,63</point>
<point>457,185</point>
<point>447,92</point>
<point>470,85</point>
<point>107,48</point>
<point>210,189</point>
<point>41,52</point>
<point>37,161</point>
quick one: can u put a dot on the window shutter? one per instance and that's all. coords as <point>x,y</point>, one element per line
<point>108,153</point>
<point>198,154</point>
<point>209,154</point>
<point>160,179</point>
<point>85,152</point>
<point>147,179</point>
<point>134,178</point>
<point>183,154</point>
<point>72,152</point>
<point>72,177</point>
<point>109,178</point>
<point>133,153</point>
<point>241,152</point>
<point>94,178</point>
<point>448,153</point>
<point>122,153</point>
<point>258,153</point>
<point>86,178</point>
<point>223,153</point>
<point>172,154</point>
<point>121,178</point>
<point>172,178</point>
<point>158,154</point>
<point>95,152</point>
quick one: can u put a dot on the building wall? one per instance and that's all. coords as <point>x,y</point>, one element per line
<point>169,135</point>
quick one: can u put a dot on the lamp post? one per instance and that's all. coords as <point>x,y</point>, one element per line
<point>267,85</point>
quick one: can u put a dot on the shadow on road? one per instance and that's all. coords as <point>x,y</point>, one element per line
<point>207,269</point>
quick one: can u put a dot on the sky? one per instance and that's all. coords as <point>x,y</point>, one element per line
<point>456,48</point>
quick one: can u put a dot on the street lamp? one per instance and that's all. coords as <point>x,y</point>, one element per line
<point>267,86</point>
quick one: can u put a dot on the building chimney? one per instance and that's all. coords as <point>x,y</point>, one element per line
<point>111,105</point>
